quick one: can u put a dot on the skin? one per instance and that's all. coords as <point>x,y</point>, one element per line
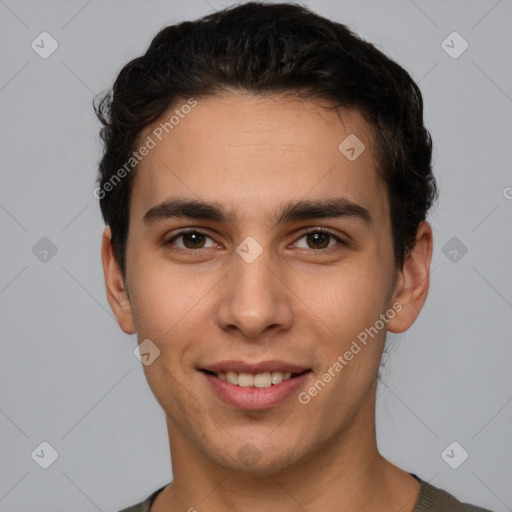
<point>298,301</point>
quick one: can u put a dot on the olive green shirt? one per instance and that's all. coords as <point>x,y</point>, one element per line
<point>430,499</point>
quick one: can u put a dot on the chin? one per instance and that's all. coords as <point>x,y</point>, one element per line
<point>257,458</point>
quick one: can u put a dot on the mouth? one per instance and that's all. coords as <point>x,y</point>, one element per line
<point>255,380</point>
<point>255,387</point>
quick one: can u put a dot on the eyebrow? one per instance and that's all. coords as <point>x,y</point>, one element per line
<point>293,211</point>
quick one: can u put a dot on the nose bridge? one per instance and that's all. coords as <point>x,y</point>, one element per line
<point>254,276</point>
<point>253,298</point>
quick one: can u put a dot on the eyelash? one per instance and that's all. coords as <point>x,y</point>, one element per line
<point>168,243</point>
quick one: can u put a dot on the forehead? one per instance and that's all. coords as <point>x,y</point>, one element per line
<point>256,152</point>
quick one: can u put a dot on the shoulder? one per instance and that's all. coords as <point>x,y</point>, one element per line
<point>430,499</point>
<point>433,499</point>
<point>145,505</point>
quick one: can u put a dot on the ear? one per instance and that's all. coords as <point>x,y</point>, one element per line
<point>413,281</point>
<point>116,293</point>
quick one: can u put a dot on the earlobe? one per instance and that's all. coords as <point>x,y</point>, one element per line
<point>413,282</point>
<point>117,295</point>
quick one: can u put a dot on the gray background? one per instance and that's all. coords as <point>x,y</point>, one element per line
<point>68,375</point>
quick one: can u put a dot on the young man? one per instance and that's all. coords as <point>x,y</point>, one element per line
<point>265,183</point>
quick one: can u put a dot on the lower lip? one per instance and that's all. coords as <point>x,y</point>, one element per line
<point>256,399</point>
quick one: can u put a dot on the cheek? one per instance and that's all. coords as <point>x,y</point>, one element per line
<point>167,299</point>
<point>349,300</point>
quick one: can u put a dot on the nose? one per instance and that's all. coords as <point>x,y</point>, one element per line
<point>254,300</point>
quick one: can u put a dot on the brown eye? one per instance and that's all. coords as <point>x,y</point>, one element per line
<point>193,240</point>
<point>189,240</point>
<point>319,239</point>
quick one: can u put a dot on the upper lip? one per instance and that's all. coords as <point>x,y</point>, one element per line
<point>255,368</point>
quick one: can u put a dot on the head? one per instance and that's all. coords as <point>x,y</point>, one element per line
<point>260,125</point>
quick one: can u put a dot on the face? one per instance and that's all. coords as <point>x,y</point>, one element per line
<point>284,259</point>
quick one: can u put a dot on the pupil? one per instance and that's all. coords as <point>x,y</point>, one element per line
<point>196,239</point>
<point>315,238</point>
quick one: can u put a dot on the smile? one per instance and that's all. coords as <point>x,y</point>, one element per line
<point>255,392</point>
<point>259,380</point>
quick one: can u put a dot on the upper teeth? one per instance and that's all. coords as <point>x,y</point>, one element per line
<point>261,380</point>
